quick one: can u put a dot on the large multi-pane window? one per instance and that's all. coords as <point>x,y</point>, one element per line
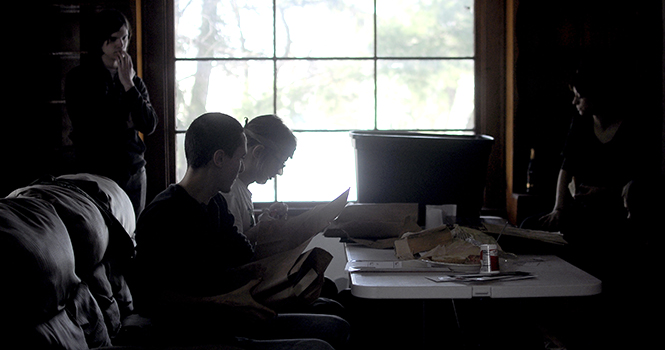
<point>325,67</point>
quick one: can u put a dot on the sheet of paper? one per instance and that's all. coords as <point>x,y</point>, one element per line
<point>277,236</point>
<point>480,277</point>
<point>393,266</point>
<point>281,242</point>
<point>543,236</point>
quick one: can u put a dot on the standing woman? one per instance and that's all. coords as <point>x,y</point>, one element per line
<point>108,105</point>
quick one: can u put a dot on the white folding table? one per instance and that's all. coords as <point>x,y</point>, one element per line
<point>553,277</point>
<point>377,276</point>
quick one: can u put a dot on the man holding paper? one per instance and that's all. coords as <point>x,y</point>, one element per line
<point>193,266</point>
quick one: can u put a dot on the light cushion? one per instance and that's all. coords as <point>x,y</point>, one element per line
<point>115,201</point>
<point>80,325</point>
<point>110,194</point>
<point>45,303</point>
<point>95,235</point>
<point>36,259</point>
<point>84,222</point>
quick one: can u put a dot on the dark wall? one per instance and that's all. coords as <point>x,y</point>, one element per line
<point>50,40</point>
<point>27,126</point>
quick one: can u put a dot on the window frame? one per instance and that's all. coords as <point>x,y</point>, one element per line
<point>494,54</point>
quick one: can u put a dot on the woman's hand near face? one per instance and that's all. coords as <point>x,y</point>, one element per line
<point>125,70</point>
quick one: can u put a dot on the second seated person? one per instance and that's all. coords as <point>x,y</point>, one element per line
<point>270,144</point>
<point>190,279</point>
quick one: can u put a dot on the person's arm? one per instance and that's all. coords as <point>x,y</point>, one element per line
<point>552,220</point>
<point>276,211</point>
<point>142,113</point>
<point>126,71</point>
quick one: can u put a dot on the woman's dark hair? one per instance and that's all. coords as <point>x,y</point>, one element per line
<point>106,23</point>
<point>207,134</point>
<point>270,131</point>
<point>605,78</point>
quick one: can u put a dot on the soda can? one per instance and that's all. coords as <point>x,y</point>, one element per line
<point>489,258</point>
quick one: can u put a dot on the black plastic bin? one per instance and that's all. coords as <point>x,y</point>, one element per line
<point>411,167</point>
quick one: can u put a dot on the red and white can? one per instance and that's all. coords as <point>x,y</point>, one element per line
<point>489,258</point>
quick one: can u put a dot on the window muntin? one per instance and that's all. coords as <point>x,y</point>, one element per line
<point>321,67</point>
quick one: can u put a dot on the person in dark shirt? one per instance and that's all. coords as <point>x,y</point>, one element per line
<point>108,105</point>
<point>190,257</point>
<point>607,149</point>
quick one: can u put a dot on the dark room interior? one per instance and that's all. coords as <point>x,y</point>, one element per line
<point>526,54</point>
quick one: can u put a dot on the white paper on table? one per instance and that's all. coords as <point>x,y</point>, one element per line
<point>481,277</point>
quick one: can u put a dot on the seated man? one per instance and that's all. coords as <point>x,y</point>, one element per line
<point>190,257</point>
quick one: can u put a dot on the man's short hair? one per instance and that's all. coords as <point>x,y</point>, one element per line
<point>208,133</point>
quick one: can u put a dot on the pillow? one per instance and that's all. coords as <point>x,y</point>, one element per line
<point>86,226</point>
<point>86,314</point>
<point>58,332</point>
<point>109,193</point>
<point>113,199</point>
<point>36,261</point>
<point>89,236</point>
<point>79,326</point>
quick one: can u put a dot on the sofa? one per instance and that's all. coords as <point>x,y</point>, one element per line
<point>66,248</point>
<point>65,242</point>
